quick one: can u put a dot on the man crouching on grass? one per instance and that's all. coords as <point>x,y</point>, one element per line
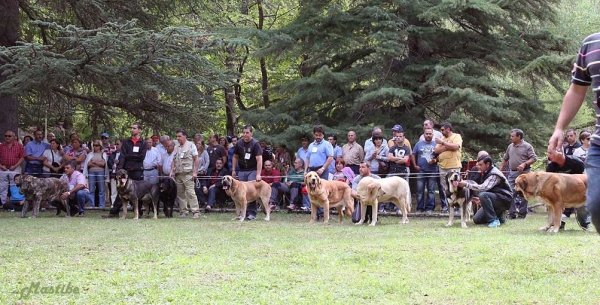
<point>494,193</point>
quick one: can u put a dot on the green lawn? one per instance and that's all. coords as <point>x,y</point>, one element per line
<point>288,261</point>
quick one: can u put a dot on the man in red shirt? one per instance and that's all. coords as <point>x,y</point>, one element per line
<point>12,155</point>
<point>270,175</point>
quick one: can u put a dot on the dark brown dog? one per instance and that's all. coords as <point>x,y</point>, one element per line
<point>557,191</point>
<point>134,191</point>
<point>37,190</point>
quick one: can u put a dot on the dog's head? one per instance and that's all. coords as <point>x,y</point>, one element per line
<point>312,181</point>
<point>27,183</point>
<point>121,177</point>
<point>227,182</point>
<point>453,178</point>
<point>165,184</point>
<point>525,184</point>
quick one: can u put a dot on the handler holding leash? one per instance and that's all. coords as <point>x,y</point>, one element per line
<point>247,154</point>
<point>495,195</point>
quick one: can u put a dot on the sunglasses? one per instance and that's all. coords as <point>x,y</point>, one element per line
<point>96,145</point>
<point>8,136</point>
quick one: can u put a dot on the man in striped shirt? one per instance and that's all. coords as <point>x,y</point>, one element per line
<point>586,72</point>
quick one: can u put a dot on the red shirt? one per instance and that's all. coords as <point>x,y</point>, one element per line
<point>10,156</point>
<point>270,177</point>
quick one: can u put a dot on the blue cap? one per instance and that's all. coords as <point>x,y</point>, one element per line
<point>397,128</point>
<point>104,135</point>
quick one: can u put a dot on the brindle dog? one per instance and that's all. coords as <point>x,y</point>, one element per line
<point>134,191</point>
<point>37,190</point>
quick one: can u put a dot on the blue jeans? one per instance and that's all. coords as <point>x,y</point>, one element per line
<point>97,178</point>
<point>428,180</point>
<point>81,197</point>
<point>592,169</point>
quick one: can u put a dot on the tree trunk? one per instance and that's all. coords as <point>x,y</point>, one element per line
<point>231,123</point>
<point>9,33</point>
<point>263,66</point>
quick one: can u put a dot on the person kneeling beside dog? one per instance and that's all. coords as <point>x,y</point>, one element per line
<point>494,193</point>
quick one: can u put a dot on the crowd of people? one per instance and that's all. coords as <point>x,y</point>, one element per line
<point>198,167</point>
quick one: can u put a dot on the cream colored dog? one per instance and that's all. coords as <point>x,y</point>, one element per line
<point>328,194</point>
<point>372,191</point>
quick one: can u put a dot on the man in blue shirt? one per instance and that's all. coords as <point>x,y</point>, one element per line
<point>427,170</point>
<point>337,151</point>
<point>34,152</point>
<point>302,152</point>
<point>320,154</point>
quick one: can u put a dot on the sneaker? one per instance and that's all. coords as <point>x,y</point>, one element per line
<point>585,226</point>
<point>291,207</point>
<point>428,213</point>
<point>207,209</point>
<point>43,209</point>
<point>445,211</point>
<point>196,215</point>
<point>110,216</point>
<point>494,224</point>
<point>80,214</point>
<point>182,215</point>
<point>456,212</point>
<point>305,208</point>
<point>398,212</point>
<point>250,217</point>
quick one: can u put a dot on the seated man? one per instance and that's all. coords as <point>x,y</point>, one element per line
<point>213,184</point>
<point>270,176</point>
<point>14,201</point>
<point>293,185</point>
<point>494,193</point>
<point>78,191</point>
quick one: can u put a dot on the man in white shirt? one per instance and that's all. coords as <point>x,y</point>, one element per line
<point>167,158</point>
<point>151,162</point>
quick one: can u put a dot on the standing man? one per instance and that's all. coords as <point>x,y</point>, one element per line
<point>494,193</point>
<point>12,154</point>
<point>34,151</point>
<point>152,162</point>
<point>586,72</point>
<point>337,151</point>
<point>399,156</point>
<point>302,152</point>
<point>320,154</point>
<point>352,153</point>
<point>113,161</point>
<point>519,156</point>
<point>396,131</point>
<point>448,149</point>
<point>185,170</point>
<point>427,170</point>
<point>429,123</point>
<point>109,150</point>
<point>215,151</point>
<point>131,158</point>
<point>166,158</point>
<point>248,156</point>
<point>162,146</point>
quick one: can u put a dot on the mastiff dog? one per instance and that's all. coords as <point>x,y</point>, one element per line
<point>459,197</point>
<point>557,191</point>
<point>372,191</point>
<point>244,192</point>
<point>168,194</point>
<point>328,194</point>
<point>134,191</point>
<point>37,190</point>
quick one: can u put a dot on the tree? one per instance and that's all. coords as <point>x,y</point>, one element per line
<point>9,34</point>
<point>385,62</point>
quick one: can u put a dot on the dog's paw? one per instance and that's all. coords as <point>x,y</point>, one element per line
<point>358,223</point>
<point>552,231</point>
<point>372,224</point>
<point>464,226</point>
<point>544,228</point>
<point>267,219</point>
<point>449,224</point>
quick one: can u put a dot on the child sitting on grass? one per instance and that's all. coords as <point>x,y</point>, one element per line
<point>15,200</point>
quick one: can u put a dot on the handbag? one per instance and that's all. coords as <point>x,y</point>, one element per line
<point>55,164</point>
<point>384,168</point>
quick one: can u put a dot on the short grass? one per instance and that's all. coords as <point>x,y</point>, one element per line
<point>287,261</point>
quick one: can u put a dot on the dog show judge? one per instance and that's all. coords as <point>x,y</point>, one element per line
<point>247,155</point>
<point>494,193</point>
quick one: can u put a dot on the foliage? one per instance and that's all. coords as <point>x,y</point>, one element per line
<point>287,261</point>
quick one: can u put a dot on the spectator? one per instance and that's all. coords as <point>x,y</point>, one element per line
<point>213,185</point>
<point>270,176</point>
<point>27,139</point>
<point>293,185</point>
<point>113,161</point>
<point>155,141</point>
<point>427,171</point>
<point>162,146</point>
<point>96,169</point>
<point>151,162</point>
<point>337,151</point>
<point>131,158</point>
<point>449,152</point>
<point>234,140</point>
<point>50,137</point>
<point>167,158</point>
<point>494,194</point>
<point>15,201</point>
<point>267,152</point>
<point>78,192</point>
<point>215,151</point>
<point>397,130</point>
<point>223,142</point>
<point>53,165</point>
<point>518,158</point>
<point>581,152</point>
<point>399,156</point>
<point>369,143</point>
<point>185,171</point>
<point>203,158</point>
<point>108,148</point>
<point>34,155</point>
<point>429,123</point>
<point>76,153</point>
<point>572,143</point>
<point>376,152</point>
<point>320,154</point>
<point>248,155</point>
<point>342,173</point>
<point>302,152</point>
<point>353,153</point>
<point>282,159</point>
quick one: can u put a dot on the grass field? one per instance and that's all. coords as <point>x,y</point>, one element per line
<point>214,260</point>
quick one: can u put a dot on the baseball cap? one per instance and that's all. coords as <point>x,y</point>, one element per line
<point>397,128</point>
<point>104,135</point>
<point>155,138</point>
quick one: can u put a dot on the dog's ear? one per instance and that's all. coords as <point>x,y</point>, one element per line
<point>373,189</point>
<point>318,180</point>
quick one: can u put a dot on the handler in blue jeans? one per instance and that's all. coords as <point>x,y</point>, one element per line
<point>494,194</point>
<point>78,190</point>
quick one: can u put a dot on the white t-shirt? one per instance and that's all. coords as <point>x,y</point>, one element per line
<point>48,154</point>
